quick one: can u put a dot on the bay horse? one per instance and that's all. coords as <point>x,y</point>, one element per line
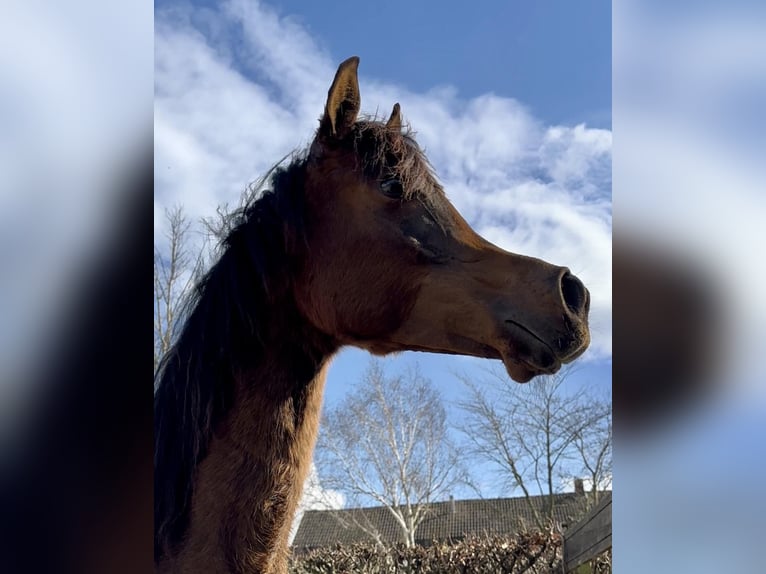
<point>355,243</point>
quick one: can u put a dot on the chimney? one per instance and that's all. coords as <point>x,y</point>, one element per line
<point>452,503</point>
<point>579,487</point>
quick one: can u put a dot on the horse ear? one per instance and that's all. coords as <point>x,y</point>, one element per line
<point>343,101</point>
<point>395,121</point>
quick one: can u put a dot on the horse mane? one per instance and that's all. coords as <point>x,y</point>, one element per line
<point>231,305</point>
<point>386,153</point>
<point>226,313</point>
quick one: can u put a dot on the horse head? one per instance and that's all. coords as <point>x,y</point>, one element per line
<point>393,266</point>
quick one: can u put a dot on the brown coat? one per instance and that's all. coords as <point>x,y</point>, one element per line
<point>356,244</point>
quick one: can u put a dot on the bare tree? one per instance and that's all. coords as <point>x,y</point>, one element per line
<point>177,264</point>
<point>593,447</point>
<point>529,433</point>
<point>388,444</point>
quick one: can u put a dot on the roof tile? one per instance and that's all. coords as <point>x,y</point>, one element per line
<point>321,528</point>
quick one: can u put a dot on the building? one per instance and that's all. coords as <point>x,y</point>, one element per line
<point>452,520</point>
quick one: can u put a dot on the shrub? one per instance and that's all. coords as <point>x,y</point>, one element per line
<point>531,553</point>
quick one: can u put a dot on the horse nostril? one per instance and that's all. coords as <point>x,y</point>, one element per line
<point>574,293</point>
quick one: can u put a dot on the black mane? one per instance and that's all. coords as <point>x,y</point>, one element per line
<point>223,332</point>
<point>230,306</point>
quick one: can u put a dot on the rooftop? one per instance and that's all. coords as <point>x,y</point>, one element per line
<point>445,520</point>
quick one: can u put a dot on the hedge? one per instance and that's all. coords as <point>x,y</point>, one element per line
<point>531,553</point>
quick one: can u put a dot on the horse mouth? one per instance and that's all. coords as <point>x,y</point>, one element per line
<point>522,370</point>
<point>526,355</point>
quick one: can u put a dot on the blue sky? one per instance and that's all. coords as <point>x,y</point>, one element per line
<point>553,56</point>
<point>511,103</point>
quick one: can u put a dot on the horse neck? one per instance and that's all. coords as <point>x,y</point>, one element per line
<point>248,486</point>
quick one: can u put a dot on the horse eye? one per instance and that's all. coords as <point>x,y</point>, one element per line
<point>392,188</point>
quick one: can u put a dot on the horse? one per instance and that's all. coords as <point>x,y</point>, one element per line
<point>353,243</point>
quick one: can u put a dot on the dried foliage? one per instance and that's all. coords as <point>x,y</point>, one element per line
<point>603,563</point>
<point>534,553</point>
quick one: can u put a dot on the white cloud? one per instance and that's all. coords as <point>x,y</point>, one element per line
<point>239,89</point>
